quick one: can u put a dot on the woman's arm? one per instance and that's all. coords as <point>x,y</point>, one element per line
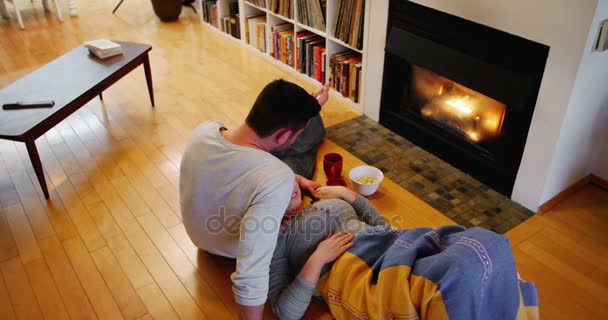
<point>365,210</point>
<point>290,300</point>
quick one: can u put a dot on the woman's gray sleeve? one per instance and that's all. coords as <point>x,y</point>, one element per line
<point>367,212</point>
<point>289,299</point>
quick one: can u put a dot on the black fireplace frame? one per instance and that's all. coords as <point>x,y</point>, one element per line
<point>497,64</point>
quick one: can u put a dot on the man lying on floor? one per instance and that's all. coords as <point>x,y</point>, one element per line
<point>365,269</point>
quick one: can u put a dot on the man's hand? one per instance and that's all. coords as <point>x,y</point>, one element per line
<point>308,187</point>
<point>322,95</point>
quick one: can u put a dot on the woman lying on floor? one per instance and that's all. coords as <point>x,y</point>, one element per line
<point>364,269</point>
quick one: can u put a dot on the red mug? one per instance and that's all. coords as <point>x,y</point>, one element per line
<point>332,165</point>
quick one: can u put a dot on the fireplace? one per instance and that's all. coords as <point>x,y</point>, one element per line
<point>461,90</point>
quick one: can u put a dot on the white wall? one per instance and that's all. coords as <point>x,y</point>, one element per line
<point>583,134</point>
<point>561,24</point>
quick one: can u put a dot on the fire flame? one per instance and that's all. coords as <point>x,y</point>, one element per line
<point>459,105</point>
<point>475,116</point>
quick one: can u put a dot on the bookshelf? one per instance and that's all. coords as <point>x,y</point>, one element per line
<point>321,41</point>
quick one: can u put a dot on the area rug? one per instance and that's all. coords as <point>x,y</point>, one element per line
<point>457,195</point>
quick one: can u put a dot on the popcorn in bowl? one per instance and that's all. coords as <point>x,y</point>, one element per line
<point>366,179</point>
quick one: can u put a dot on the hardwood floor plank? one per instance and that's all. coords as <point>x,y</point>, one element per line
<point>151,196</point>
<point>198,287</point>
<point>162,273</point>
<point>22,233</point>
<point>134,176</point>
<point>554,294</point>
<point>6,308</point>
<point>37,215</point>
<point>28,198</point>
<point>156,303</point>
<point>591,253</point>
<point>20,290</point>
<point>210,271</point>
<point>94,285</point>
<point>587,289</point>
<point>524,231</point>
<point>8,194</point>
<point>8,247</point>
<point>128,259</point>
<point>68,284</point>
<point>71,200</point>
<point>127,299</point>
<point>46,292</point>
<point>562,250</point>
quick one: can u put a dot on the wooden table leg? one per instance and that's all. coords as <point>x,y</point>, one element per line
<point>35,158</point>
<point>149,77</point>
<point>3,10</point>
<point>101,96</point>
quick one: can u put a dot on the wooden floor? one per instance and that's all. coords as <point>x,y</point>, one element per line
<point>110,243</point>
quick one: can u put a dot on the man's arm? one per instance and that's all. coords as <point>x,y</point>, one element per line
<point>257,240</point>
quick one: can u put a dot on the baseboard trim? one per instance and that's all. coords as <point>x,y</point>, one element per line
<point>599,182</point>
<point>567,192</point>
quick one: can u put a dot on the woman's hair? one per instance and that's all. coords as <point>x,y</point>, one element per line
<point>281,105</point>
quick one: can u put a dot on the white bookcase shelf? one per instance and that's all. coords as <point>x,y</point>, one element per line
<point>333,45</point>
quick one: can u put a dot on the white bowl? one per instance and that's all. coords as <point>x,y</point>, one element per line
<point>365,171</point>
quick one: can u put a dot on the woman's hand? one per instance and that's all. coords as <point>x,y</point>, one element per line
<point>332,247</point>
<point>327,251</point>
<point>336,192</point>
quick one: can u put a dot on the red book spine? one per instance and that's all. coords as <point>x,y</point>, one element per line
<point>318,63</point>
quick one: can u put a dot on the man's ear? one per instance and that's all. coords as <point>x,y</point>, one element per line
<point>282,136</point>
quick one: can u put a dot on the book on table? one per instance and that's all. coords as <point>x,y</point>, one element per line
<point>103,48</point>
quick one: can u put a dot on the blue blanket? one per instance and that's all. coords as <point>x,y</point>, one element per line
<point>446,273</point>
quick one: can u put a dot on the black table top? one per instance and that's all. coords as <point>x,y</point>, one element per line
<point>63,80</point>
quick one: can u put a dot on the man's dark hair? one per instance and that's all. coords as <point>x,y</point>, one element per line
<point>281,105</point>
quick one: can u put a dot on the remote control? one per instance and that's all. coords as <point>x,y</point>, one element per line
<point>28,105</point>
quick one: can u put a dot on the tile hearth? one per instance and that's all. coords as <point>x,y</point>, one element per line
<point>457,195</point>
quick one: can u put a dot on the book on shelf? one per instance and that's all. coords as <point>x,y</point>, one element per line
<point>345,74</point>
<point>349,22</point>
<point>318,63</point>
<point>312,13</point>
<point>253,26</point>
<point>233,22</point>
<point>309,55</point>
<point>280,36</point>
<point>211,14</point>
<point>236,25</point>
<point>281,7</point>
<point>261,36</point>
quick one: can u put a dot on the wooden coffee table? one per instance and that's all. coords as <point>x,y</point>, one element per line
<point>70,81</point>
